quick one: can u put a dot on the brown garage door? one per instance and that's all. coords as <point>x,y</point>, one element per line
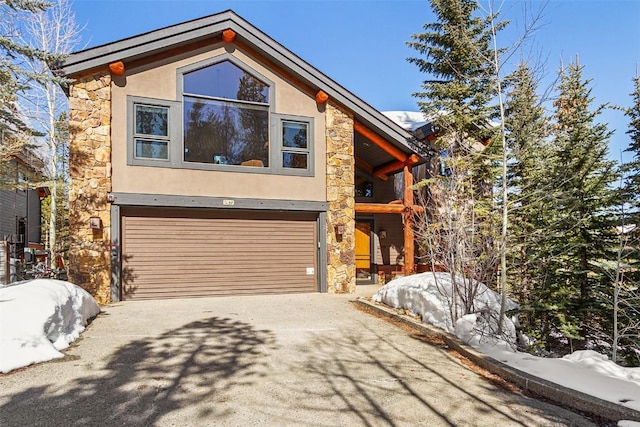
<point>188,253</point>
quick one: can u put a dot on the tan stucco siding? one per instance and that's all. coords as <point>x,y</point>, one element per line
<point>158,80</point>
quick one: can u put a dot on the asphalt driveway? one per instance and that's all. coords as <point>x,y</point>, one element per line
<point>303,360</point>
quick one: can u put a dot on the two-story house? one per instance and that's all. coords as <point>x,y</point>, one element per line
<point>208,159</point>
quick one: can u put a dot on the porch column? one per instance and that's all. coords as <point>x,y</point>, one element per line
<point>408,216</point>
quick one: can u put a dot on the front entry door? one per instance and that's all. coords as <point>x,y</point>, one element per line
<point>363,251</point>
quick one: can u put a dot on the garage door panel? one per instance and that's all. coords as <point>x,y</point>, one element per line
<point>211,293</point>
<point>153,254</point>
<point>250,244</point>
<point>190,272</point>
<point>210,285</point>
<point>180,253</point>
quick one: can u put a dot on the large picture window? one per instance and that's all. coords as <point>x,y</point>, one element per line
<point>224,119</point>
<point>226,116</point>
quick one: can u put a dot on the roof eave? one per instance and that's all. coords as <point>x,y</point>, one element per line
<point>147,44</point>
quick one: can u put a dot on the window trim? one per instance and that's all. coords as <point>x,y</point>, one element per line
<point>278,120</point>
<point>180,94</point>
<point>174,124</point>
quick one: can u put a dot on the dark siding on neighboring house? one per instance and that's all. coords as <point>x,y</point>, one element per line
<point>13,203</point>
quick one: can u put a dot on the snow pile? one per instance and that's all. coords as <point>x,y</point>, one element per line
<point>431,296</point>
<point>600,363</point>
<point>585,370</point>
<point>38,318</point>
<point>428,294</point>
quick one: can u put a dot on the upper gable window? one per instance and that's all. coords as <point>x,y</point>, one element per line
<point>226,80</point>
<point>226,116</point>
<point>224,119</point>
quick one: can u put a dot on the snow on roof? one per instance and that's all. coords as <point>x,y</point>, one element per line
<point>409,120</point>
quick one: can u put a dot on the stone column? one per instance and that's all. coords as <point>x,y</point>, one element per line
<point>90,181</point>
<point>341,268</point>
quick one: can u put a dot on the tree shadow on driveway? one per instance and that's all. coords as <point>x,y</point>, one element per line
<point>376,376</point>
<point>189,368</point>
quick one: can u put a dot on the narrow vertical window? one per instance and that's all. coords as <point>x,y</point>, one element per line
<point>295,145</point>
<point>151,132</point>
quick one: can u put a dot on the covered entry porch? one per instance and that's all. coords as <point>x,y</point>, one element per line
<point>385,208</point>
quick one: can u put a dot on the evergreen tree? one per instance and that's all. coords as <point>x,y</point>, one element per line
<point>530,190</point>
<point>632,184</point>
<point>582,233</point>
<point>456,54</point>
<point>458,228</point>
<point>625,298</point>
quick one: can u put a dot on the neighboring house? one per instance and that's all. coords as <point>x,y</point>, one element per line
<point>207,159</point>
<point>20,218</point>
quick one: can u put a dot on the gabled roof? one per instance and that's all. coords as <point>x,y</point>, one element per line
<point>210,28</point>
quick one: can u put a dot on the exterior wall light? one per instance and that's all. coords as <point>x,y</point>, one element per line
<point>95,223</point>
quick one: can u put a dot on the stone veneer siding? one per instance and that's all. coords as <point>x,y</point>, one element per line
<point>341,268</point>
<point>90,181</point>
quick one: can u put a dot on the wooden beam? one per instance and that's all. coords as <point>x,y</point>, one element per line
<point>412,160</point>
<point>380,208</point>
<point>409,243</point>
<point>228,35</point>
<point>388,148</point>
<point>386,208</point>
<point>117,68</point>
<point>361,164</point>
<point>384,170</point>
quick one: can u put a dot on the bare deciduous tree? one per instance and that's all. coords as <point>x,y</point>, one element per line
<point>53,30</point>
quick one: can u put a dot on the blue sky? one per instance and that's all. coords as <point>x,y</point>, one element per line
<point>361,43</point>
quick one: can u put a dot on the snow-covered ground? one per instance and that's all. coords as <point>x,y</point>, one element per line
<point>428,295</point>
<point>38,318</point>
